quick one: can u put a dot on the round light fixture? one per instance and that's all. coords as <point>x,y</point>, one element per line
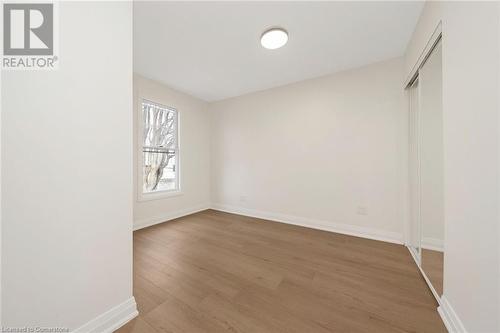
<point>274,38</point>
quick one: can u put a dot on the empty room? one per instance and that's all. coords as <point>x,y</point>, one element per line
<point>250,167</point>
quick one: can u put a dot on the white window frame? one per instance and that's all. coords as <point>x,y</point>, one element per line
<point>146,196</point>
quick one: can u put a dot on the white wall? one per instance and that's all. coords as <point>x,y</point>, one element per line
<point>67,174</point>
<point>194,146</point>
<point>316,152</point>
<point>471,165</point>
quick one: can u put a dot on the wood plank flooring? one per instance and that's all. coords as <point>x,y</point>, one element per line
<point>219,272</point>
<point>433,266</point>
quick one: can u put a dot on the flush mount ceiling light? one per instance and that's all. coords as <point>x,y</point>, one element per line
<point>274,38</point>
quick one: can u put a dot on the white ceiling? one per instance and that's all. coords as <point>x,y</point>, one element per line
<point>211,50</point>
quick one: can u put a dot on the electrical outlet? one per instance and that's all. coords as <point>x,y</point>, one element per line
<point>362,210</point>
<point>243,198</point>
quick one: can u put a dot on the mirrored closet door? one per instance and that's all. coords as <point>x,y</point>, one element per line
<point>413,172</point>
<point>426,170</point>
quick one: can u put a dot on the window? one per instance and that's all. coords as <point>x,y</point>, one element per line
<point>160,149</point>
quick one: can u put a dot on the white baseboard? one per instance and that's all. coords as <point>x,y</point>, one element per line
<point>342,228</point>
<point>112,319</point>
<point>450,318</point>
<point>432,244</point>
<point>143,223</point>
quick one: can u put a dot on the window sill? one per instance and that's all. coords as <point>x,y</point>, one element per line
<point>159,195</point>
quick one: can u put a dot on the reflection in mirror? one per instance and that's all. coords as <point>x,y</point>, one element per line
<point>414,232</point>
<point>431,169</point>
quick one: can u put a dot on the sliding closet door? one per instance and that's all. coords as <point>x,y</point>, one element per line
<point>431,168</point>
<point>414,177</point>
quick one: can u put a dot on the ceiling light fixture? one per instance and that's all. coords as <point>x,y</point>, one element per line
<point>274,38</point>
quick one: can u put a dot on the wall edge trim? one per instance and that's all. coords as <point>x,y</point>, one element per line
<point>112,319</point>
<point>450,318</point>
<point>341,228</point>
<point>148,222</point>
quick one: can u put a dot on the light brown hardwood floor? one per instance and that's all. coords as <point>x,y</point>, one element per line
<point>219,272</point>
<point>433,266</point>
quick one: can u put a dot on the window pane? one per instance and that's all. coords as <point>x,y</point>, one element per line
<point>159,171</point>
<point>159,148</point>
<point>159,126</point>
